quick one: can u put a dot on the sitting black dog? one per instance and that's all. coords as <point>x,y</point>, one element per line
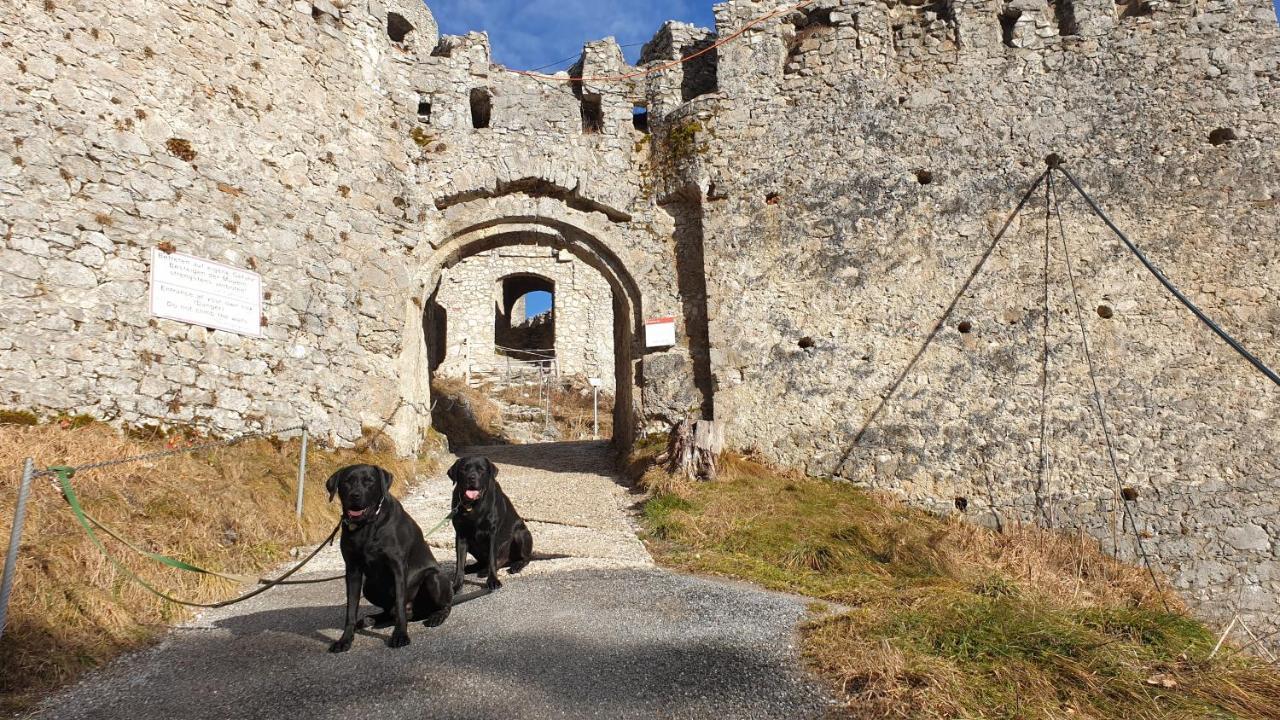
<point>486,523</point>
<point>385,552</point>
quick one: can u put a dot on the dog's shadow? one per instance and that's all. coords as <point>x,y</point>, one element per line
<point>309,621</point>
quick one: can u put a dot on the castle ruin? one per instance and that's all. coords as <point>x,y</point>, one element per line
<point>805,199</point>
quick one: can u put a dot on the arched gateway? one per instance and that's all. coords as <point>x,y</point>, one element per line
<point>522,220</point>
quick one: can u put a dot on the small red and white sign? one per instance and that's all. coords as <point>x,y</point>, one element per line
<point>660,332</point>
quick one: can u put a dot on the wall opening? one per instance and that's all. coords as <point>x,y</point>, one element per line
<point>640,118</point>
<point>492,278</point>
<point>424,111</point>
<point>1127,9</point>
<point>1064,12</point>
<point>524,323</point>
<point>1222,136</point>
<point>481,108</point>
<point>398,28</point>
<point>1008,22</point>
<point>592,114</point>
<point>811,29</point>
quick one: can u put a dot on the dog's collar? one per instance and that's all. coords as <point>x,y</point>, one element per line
<point>346,522</point>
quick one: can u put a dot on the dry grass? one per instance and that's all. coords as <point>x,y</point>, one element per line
<point>945,619</point>
<point>465,415</point>
<point>571,407</point>
<point>230,509</point>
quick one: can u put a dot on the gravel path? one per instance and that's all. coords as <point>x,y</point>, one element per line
<point>600,634</point>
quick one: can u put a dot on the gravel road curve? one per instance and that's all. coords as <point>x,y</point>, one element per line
<point>602,633</point>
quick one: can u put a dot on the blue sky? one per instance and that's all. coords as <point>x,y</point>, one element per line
<point>527,34</point>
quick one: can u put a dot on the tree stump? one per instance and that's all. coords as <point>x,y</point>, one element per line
<point>693,448</point>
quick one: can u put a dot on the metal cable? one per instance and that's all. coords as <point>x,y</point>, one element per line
<point>1097,397</point>
<point>1235,344</point>
<point>937,327</point>
<point>1044,370</point>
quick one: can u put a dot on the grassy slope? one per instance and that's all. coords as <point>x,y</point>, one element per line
<point>950,620</point>
<point>230,510</point>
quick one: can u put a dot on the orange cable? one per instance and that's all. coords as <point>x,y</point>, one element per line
<point>673,63</point>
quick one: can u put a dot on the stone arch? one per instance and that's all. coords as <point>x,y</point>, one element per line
<point>485,224</point>
<point>511,289</point>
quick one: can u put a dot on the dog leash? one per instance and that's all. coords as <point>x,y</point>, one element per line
<point>64,474</point>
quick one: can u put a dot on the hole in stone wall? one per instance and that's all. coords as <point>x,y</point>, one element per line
<point>640,119</point>
<point>810,29</point>
<point>398,28</point>
<point>481,107</point>
<point>1129,494</point>
<point>924,177</point>
<point>592,114</point>
<point>525,325</point>
<point>1105,312</point>
<point>1008,21</point>
<point>1222,136</point>
<point>965,327</point>
<point>1133,8</point>
<point>771,198</point>
<point>962,503</point>
<point>424,111</point>
<point>1064,11</point>
<point>807,343</point>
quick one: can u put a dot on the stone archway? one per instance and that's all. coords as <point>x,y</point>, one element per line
<point>526,222</point>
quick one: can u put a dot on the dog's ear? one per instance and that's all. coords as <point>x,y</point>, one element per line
<point>332,483</point>
<point>454,470</point>
<point>493,470</point>
<point>387,478</point>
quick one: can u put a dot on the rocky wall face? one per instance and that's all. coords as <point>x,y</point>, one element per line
<point>471,295</point>
<point>260,136</point>
<point>861,160</point>
<point>341,150</point>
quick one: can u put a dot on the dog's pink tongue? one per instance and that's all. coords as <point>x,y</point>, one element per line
<point>472,494</point>
<point>355,513</point>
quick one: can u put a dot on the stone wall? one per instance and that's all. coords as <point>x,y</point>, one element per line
<point>258,136</point>
<point>328,146</point>
<point>855,166</point>
<point>471,295</point>
<point>813,196</point>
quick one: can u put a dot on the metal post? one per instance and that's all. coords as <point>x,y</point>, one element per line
<point>302,469</point>
<point>595,413</point>
<point>15,536</point>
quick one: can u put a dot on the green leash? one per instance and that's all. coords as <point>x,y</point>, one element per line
<point>64,473</point>
<point>88,522</point>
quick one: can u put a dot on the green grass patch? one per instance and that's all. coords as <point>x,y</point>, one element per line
<point>948,619</point>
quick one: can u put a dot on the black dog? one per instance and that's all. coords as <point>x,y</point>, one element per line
<point>384,551</point>
<point>486,523</point>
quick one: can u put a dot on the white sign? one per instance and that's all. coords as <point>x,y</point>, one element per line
<point>202,292</point>
<point>594,382</point>
<point>660,332</point>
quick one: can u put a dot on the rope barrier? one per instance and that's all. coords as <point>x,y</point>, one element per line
<point>674,63</point>
<point>64,474</point>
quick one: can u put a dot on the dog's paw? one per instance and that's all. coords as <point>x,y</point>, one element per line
<point>457,586</point>
<point>342,644</point>
<point>492,583</point>
<point>437,618</point>
<point>516,567</point>
<point>398,639</point>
